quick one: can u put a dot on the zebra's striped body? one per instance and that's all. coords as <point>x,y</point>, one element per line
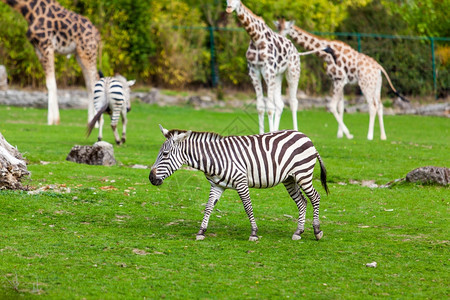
<point>243,162</point>
<point>112,96</point>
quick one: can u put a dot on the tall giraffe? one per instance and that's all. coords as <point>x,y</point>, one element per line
<point>348,66</point>
<point>272,56</point>
<point>54,29</point>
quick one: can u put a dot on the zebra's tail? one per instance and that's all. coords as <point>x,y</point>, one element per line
<point>96,118</point>
<point>323,174</point>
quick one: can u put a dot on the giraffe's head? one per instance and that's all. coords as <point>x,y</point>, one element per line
<point>232,5</point>
<point>283,26</point>
<point>170,157</point>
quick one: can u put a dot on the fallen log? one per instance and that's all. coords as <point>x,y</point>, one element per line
<point>13,167</point>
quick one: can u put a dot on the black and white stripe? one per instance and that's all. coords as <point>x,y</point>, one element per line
<point>112,96</point>
<point>243,162</point>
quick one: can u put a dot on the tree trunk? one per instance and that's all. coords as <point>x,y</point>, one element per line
<point>12,166</point>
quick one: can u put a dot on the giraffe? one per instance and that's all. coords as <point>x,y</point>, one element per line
<point>271,56</point>
<point>347,66</point>
<point>54,29</point>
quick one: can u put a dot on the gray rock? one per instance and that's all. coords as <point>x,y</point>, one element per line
<point>399,103</point>
<point>3,78</point>
<point>13,167</point>
<point>66,98</point>
<point>101,153</point>
<point>438,109</point>
<point>429,174</point>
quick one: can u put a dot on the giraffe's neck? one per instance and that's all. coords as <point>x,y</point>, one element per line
<point>305,39</point>
<point>254,25</point>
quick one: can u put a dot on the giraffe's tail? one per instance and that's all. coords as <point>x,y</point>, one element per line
<point>323,174</point>
<point>392,86</point>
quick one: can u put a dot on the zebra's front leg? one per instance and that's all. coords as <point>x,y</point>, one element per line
<point>214,196</point>
<point>244,194</point>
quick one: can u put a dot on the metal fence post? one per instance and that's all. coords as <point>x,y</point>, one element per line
<point>433,63</point>
<point>358,36</point>
<point>214,75</point>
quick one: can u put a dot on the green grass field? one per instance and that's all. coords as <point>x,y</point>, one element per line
<point>114,235</point>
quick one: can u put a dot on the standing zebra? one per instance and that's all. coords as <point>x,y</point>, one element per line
<point>112,95</point>
<point>240,162</point>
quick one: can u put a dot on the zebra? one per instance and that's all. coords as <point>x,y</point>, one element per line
<point>112,96</point>
<point>243,162</point>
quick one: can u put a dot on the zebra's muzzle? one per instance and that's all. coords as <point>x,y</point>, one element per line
<point>153,179</point>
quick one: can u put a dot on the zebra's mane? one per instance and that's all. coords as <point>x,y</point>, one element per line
<point>210,135</point>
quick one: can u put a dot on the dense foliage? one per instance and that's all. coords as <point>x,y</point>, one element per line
<point>167,42</point>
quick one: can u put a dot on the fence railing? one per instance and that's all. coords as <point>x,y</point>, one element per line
<point>215,76</point>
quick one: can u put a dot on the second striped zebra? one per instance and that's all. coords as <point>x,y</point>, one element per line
<point>112,96</point>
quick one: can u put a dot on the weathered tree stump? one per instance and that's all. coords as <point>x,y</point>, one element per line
<point>429,174</point>
<point>3,78</point>
<point>101,153</point>
<point>12,167</point>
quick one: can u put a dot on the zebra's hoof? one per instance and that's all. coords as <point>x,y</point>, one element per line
<point>319,235</point>
<point>253,238</point>
<point>200,237</point>
<point>350,136</point>
<point>296,237</point>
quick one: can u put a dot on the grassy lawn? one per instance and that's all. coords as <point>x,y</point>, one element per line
<point>106,232</point>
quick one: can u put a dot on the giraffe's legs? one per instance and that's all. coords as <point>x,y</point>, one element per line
<point>244,194</point>
<point>292,77</point>
<point>270,79</point>
<point>278,100</point>
<point>294,191</point>
<point>89,68</point>
<point>340,109</point>
<point>380,108</point>
<point>338,95</point>
<point>372,93</point>
<point>47,59</point>
<point>255,76</point>
<point>214,196</point>
<point>372,115</point>
<point>380,119</point>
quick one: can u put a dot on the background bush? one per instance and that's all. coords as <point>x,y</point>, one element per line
<point>167,43</point>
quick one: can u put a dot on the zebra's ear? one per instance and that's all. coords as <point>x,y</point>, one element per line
<point>276,23</point>
<point>131,82</point>
<point>164,131</point>
<point>182,136</point>
<point>291,23</point>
